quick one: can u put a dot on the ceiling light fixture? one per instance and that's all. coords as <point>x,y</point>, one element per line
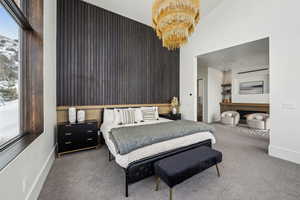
<point>175,20</point>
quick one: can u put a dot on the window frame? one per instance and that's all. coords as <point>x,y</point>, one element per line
<point>17,15</point>
<point>30,40</point>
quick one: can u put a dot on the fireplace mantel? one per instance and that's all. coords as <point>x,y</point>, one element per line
<point>245,107</point>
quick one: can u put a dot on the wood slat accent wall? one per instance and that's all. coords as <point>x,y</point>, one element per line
<point>107,59</point>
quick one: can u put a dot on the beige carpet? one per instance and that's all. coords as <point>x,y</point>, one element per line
<point>248,173</point>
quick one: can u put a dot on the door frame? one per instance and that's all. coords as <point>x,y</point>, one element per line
<point>203,96</point>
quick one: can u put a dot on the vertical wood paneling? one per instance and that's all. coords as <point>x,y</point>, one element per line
<point>104,59</point>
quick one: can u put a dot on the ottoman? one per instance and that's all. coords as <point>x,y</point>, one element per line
<point>175,169</point>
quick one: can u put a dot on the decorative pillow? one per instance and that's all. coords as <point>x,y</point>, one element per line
<point>127,116</point>
<point>259,117</point>
<point>156,113</point>
<point>150,113</point>
<point>138,115</point>
<point>117,116</point>
<point>108,115</point>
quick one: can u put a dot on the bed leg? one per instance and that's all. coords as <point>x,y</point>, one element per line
<point>126,190</point>
<point>126,184</point>
<point>218,171</point>
<point>157,183</point>
<point>109,156</point>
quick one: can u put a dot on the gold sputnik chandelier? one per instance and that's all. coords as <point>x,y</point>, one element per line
<point>175,20</point>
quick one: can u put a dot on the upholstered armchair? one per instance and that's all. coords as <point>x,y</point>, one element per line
<point>230,118</point>
<point>258,121</point>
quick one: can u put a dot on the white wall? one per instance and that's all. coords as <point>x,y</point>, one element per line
<point>212,79</point>
<point>23,177</point>
<point>253,76</point>
<point>214,94</point>
<point>235,22</point>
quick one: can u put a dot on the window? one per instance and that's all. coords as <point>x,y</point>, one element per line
<point>9,78</point>
<point>21,76</point>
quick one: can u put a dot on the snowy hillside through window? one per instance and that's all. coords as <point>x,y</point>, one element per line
<point>9,78</point>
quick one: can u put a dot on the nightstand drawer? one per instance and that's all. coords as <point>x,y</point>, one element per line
<point>78,127</point>
<point>91,125</point>
<point>92,141</point>
<point>90,133</point>
<point>69,136</point>
<point>67,128</point>
<point>67,146</point>
<point>66,135</point>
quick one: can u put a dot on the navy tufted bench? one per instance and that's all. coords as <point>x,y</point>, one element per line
<point>175,169</point>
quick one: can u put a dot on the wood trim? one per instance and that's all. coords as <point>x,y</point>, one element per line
<point>64,108</point>
<point>31,69</point>
<point>87,148</point>
<point>245,107</point>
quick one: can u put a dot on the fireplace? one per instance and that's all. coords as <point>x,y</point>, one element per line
<point>244,113</point>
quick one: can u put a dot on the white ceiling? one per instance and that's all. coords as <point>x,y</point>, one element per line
<point>141,10</point>
<point>249,55</point>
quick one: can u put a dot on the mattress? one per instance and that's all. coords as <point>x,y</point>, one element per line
<point>125,160</point>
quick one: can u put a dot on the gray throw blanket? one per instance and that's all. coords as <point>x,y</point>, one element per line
<point>127,139</point>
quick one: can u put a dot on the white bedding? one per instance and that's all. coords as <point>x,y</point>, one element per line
<point>125,160</point>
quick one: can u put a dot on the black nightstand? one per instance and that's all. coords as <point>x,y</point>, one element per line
<point>171,116</point>
<point>77,136</point>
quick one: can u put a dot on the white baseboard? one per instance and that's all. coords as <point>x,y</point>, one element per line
<point>284,154</point>
<point>38,183</point>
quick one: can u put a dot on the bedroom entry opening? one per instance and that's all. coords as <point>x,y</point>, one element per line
<point>233,87</point>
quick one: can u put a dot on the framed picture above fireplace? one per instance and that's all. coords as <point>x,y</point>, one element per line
<point>251,87</point>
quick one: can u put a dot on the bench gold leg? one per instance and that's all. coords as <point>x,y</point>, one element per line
<point>157,183</point>
<point>218,171</point>
<point>171,194</point>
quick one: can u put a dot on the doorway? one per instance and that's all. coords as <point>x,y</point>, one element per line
<point>200,98</point>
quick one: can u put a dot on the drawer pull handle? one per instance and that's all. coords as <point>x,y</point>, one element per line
<point>68,134</point>
<point>90,139</point>
<point>90,131</point>
<point>68,142</point>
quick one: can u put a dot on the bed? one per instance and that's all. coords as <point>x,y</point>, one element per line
<point>138,164</point>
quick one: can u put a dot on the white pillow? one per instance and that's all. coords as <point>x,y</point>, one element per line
<point>150,113</point>
<point>108,115</point>
<point>117,117</point>
<point>259,117</point>
<point>156,113</point>
<point>138,115</point>
<point>127,116</point>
